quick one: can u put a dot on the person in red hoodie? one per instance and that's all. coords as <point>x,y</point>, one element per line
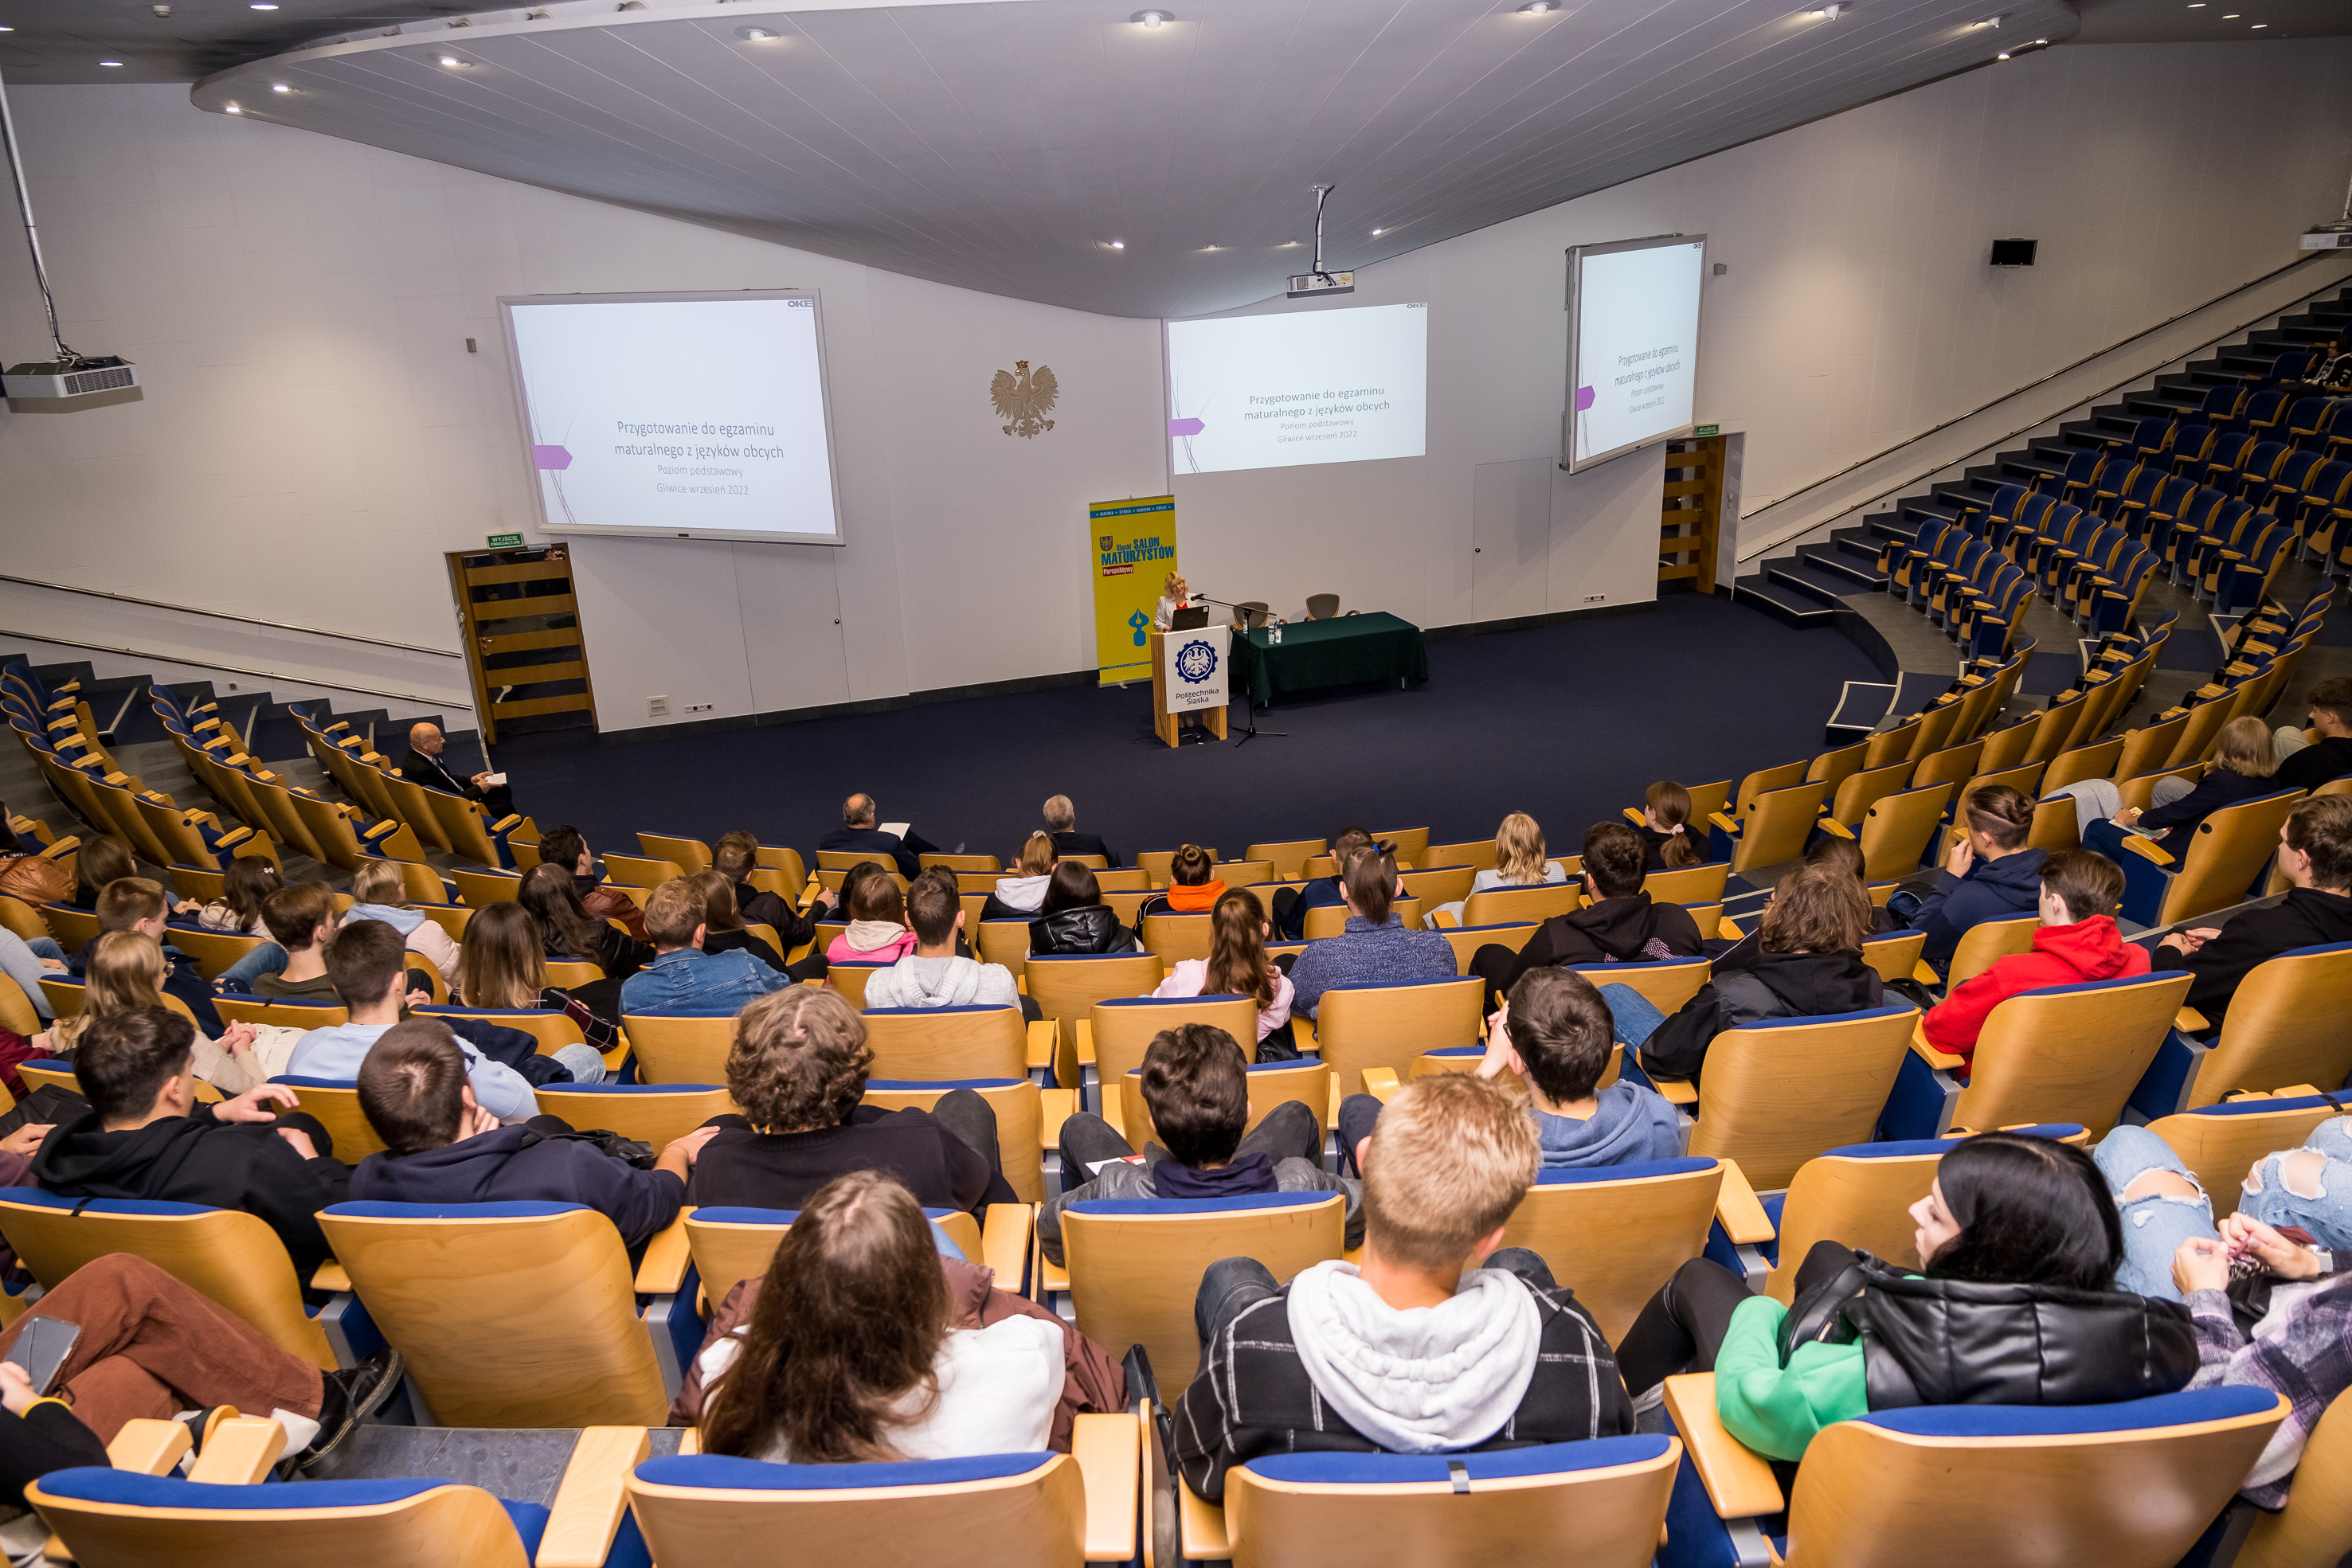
<point>2078,941</point>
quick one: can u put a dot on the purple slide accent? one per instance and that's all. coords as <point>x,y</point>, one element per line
<point>1183,427</point>
<point>546,457</point>
<point>1583,399</point>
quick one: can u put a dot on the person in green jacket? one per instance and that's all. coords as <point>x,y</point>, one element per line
<point>2013,1303</point>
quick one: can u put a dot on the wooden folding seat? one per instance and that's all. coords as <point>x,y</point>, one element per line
<point>1894,953</point>
<point>849,980</point>
<point>1467,939</point>
<point>17,1014</point>
<point>1173,938</point>
<point>1331,919</point>
<point>1517,905</point>
<point>730,1245</point>
<point>1307,1080</point>
<point>214,951</point>
<point>2069,1053</point>
<point>2221,1143</point>
<point>942,1044</point>
<point>690,855</point>
<point>672,1047</point>
<point>1116,1031</point>
<point>1772,828</point>
<point>2225,860</point>
<point>1004,942</point>
<point>1615,1234</point>
<point>842,860</point>
<point>1358,1027</point>
<point>1664,983</point>
<point>335,1101</point>
<point>1288,855</point>
<point>2285,1025</point>
<point>655,1115</point>
<point>1898,829</point>
<point>1859,790</point>
<point>1776,1093</point>
<point>1067,985</point>
<point>1154,864</point>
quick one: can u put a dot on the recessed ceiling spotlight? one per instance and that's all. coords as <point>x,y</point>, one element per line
<point>7,29</point>
<point>1207,247</point>
<point>1154,18</point>
<point>1118,245</point>
<point>1538,7</point>
<point>755,34</point>
<point>2002,56</point>
<point>1377,233</point>
<point>1830,12</point>
<point>452,61</point>
<point>233,109</point>
<point>263,6</point>
<point>111,65</point>
<point>279,87</point>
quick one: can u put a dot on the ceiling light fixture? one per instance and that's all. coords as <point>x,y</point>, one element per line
<point>452,61</point>
<point>755,34</point>
<point>233,109</point>
<point>279,87</point>
<point>1830,12</point>
<point>1118,245</point>
<point>2002,56</point>
<point>264,5</point>
<point>111,65</point>
<point>1377,233</point>
<point>1153,18</point>
<point>1538,7</point>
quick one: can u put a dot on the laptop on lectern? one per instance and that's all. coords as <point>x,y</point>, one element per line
<point>1188,620</point>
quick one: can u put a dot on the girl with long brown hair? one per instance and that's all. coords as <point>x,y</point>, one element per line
<point>855,1351</point>
<point>244,882</point>
<point>1666,826</point>
<point>503,964</point>
<point>126,973</point>
<point>569,931</point>
<point>98,861</point>
<point>722,924</point>
<point>1238,967</point>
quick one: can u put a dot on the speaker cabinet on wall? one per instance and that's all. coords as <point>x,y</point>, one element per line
<point>2013,252</point>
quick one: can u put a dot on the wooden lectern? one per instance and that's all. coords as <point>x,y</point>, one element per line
<point>1165,724</point>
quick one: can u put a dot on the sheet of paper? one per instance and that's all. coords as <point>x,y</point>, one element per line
<point>496,780</point>
<point>898,829</point>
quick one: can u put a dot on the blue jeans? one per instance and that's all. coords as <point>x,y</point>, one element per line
<point>1636,1019</point>
<point>237,979</point>
<point>2326,1209</point>
<point>47,947</point>
<point>2156,1225</point>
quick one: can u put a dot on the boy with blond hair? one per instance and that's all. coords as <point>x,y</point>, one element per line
<point>1413,1351</point>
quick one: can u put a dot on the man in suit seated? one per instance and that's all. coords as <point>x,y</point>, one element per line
<point>1062,822</point>
<point>423,765</point>
<point>858,831</point>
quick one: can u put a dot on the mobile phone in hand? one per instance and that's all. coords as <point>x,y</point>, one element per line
<point>41,1350</point>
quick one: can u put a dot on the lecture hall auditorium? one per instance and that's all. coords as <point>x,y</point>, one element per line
<point>980,782</point>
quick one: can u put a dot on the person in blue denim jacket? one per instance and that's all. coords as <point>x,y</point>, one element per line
<point>683,978</point>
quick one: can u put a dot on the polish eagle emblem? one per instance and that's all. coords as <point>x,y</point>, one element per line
<point>1024,397</point>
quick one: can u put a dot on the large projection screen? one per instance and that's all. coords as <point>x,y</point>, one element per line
<point>1308,386</point>
<point>676,415</point>
<point>1632,345</point>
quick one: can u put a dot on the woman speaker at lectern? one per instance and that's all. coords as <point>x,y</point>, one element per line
<point>1173,597</point>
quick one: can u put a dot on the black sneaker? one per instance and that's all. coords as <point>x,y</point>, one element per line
<point>349,1397</point>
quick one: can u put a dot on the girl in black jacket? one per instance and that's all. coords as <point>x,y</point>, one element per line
<point>1074,919</point>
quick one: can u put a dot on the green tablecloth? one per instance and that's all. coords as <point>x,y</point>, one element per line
<point>1343,651</point>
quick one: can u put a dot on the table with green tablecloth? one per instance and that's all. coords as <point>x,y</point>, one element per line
<point>1345,651</point>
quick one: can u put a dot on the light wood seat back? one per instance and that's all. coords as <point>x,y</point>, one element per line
<point>1019,1105</point>
<point>1897,831</point>
<point>2290,1021</point>
<point>928,1044</point>
<point>2311,1531</point>
<point>480,889</point>
<point>1775,825</point>
<point>1124,1026</point>
<point>1408,845</point>
<point>641,871</point>
<point>1467,939</point>
<point>336,1103</point>
<point>2150,747</point>
<point>1859,791</point>
<point>1949,766</point>
<point>1687,885</point>
<point>675,1050</point>
<point>1479,854</point>
<point>17,1014</point>
<point>654,1114</point>
<point>2220,1144</point>
<point>1067,985</point>
<point>214,951</point>
<point>690,855</point>
<point>1777,1093</point>
<point>1173,938</point>
<point>1154,864</point>
<point>1388,1026</point>
<point>1896,954</point>
<point>1517,905</point>
<point>553,1030</point>
<point>179,1521</point>
<point>2071,1053</point>
<point>962,864</point>
<point>733,1245</point>
<point>1664,983</point>
<point>1271,1083</point>
<point>842,860</point>
<point>1331,919</point>
<point>1834,767</point>
<point>1004,942</point>
<point>850,979</point>
<point>1988,940</point>
<point>1615,1235</point>
<point>1288,855</point>
<point>1437,885</point>
<point>1764,780</point>
<point>2226,855</point>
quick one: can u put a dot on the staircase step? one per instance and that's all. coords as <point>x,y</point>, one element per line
<point>1782,603</point>
<point>1831,563</point>
<point>1803,576</point>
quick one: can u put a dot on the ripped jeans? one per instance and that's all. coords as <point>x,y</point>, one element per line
<point>2310,1186</point>
<point>2157,1224</point>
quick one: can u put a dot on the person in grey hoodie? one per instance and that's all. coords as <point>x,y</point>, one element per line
<point>933,975</point>
<point>1408,1353</point>
<point>1195,1083</point>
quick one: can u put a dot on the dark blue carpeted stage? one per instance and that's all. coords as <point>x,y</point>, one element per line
<point>1568,722</point>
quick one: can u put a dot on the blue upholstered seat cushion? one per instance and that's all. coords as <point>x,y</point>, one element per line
<point>1171,1205</point>
<point>723,1472</point>
<point>2069,1420</point>
<point>129,1489</point>
<point>1500,1464</point>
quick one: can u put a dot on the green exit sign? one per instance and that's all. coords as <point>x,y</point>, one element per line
<point>1701,430</point>
<point>503,541</point>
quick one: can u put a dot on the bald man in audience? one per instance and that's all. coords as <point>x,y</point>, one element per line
<point>423,765</point>
<point>860,831</point>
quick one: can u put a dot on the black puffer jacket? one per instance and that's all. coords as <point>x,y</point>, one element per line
<point>1948,1342</point>
<point>1086,928</point>
<point>1756,986</point>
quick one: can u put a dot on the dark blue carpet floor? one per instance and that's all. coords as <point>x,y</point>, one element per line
<point>1568,722</point>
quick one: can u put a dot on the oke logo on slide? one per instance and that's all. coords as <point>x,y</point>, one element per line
<point>1196,662</point>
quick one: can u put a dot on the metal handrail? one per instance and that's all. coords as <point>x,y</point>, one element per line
<point>225,615</point>
<point>240,670</point>
<point>2029,386</point>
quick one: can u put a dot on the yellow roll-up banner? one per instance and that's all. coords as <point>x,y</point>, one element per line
<point>1132,545</point>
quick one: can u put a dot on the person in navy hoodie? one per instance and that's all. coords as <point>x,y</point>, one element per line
<point>442,1147</point>
<point>1992,874</point>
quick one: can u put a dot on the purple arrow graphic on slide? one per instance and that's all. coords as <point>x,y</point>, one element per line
<point>1183,427</point>
<point>1583,399</point>
<point>545,457</point>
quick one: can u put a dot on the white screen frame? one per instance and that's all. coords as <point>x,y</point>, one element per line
<point>1576,255</point>
<point>506,304</point>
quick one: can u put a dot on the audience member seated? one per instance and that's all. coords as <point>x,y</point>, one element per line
<point>1238,967</point>
<point>2243,768</point>
<point>1834,850</point>
<point>1992,874</point>
<point>380,891</point>
<point>2014,1305</point>
<point>798,1069</point>
<point>364,962</point>
<point>1291,904</point>
<point>145,1136</point>
<point>682,978</point>
<point>1018,893</point>
<point>563,847</point>
<point>878,932</point>
<point>1196,1093</point>
<point>2315,856</point>
<point>573,931</point>
<point>301,921</point>
<point>1666,839</point>
<point>933,975</point>
<point>1062,822</point>
<point>1519,862</point>
<point>423,765</point>
<point>135,903</point>
<point>101,858</point>
<point>1409,1352</point>
<point>1805,962</point>
<point>1073,918</point>
<point>1373,948</point>
<point>441,1146</point>
<point>862,1342</point>
<point>2331,376</point>
<point>150,1349</point>
<point>26,962</point>
<point>857,831</point>
<point>1554,1036</point>
<point>245,882</point>
<point>2324,753</point>
<point>734,857</point>
<point>2310,1186</point>
<point>126,974</point>
<point>503,964</point>
<point>2293,1335</point>
<point>1621,925</point>
<point>2161,1203</point>
<point>2077,941</point>
<point>722,925</point>
<point>1193,885</point>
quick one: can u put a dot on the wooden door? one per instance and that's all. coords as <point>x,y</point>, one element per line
<point>519,622</point>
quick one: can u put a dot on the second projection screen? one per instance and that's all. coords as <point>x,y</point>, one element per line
<point>1310,386</point>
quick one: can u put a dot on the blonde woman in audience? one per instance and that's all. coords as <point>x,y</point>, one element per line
<point>2245,760</point>
<point>380,891</point>
<point>125,973</point>
<point>1666,827</point>
<point>1238,967</point>
<point>1019,891</point>
<point>245,882</point>
<point>878,931</point>
<point>503,964</point>
<point>1519,862</point>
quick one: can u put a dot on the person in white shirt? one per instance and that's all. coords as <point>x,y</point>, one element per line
<point>1174,596</point>
<point>1021,892</point>
<point>1237,965</point>
<point>1518,862</point>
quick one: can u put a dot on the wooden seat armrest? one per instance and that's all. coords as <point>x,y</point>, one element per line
<point>1043,1034</point>
<point>2146,849</point>
<point>1676,1091</point>
<point>1084,1029</point>
<point>1109,1449</point>
<point>1739,1481</point>
<point>2189,1020</point>
<point>1718,819</point>
<point>667,1257</point>
<point>1943,1060</point>
<point>1729,929</point>
<point>1004,1233</point>
<point>1380,1083</point>
<point>1200,1527</point>
<point>1737,1209</point>
<point>1634,815</point>
<point>239,1451</point>
<point>1444,919</point>
<point>593,1497</point>
<point>511,820</point>
<point>1060,1105</point>
<point>1051,1277</point>
<point>1832,825</point>
<point>61,847</point>
<point>150,1448</point>
<point>330,1277</point>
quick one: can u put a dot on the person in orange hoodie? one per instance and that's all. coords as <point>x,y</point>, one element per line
<point>1194,887</point>
<point>2078,941</point>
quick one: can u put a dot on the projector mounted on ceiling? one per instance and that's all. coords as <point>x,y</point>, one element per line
<point>70,381</point>
<point>1319,281</point>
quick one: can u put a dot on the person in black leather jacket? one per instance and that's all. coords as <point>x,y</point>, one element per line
<point>1074,919</point>
<point>2014,1304</point>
